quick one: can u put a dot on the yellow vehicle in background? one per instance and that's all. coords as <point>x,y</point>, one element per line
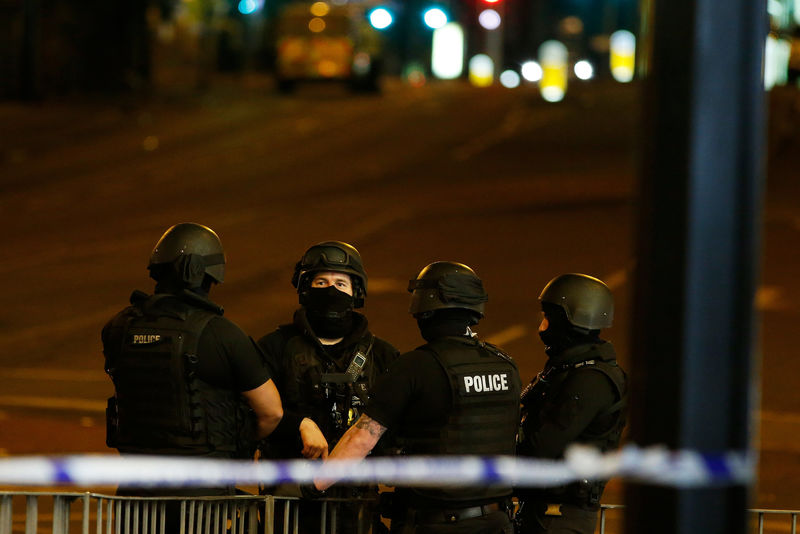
<point>321,41</point>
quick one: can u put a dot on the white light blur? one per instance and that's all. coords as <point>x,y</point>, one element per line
<point>435,18</point>
<point>775,8</point>
<point>531,71</point>
<point>623,52</point>
<point>583,70</point>
<point>776,62</point>
<point>509,79</point>
<point>796,11</point>
<point>489,19</point>
<point>447,55</point>
<point>481,70</point>
<point>552,93</point>
<point>380,18</point>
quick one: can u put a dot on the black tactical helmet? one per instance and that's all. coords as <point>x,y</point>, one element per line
<point>335,256</point>
<point>197,244</point>
<point>586,300</point>
<point>446,284</point>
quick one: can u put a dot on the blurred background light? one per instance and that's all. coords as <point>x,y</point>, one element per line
<point>481,70</point>
<point>623,52</point>
<point>414,74</point>
<point>380,18</point>
<point>571,26</point>
<point>583,70</point>
<point>361,63</point>
<point>531,71</point>
<point>447,54</point>
<point>776,61</point>
<point>509,78</point>
<point>247,7</point>
<point>320,9</point>
<point>316,25</point>
<point>553,56</point>
<point>489,19</point>
<point>435,18</point>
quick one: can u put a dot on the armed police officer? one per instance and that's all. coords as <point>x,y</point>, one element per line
<point>187,380</point>
<point>325,363</point>
<point>579,397</point>
<point>431,399</point>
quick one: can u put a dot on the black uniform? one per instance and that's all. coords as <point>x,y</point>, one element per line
<point>178,369</point>
<point>455,395</point>
<point>329,384</point>
<point>579,397</point>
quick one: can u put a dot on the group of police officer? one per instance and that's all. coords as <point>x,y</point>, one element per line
<point>190,382</point>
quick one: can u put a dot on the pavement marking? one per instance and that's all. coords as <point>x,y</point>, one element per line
<point>66,326</point>
<point>780,417</point>
<point>512,333</point>
<point>67,375</point>
<point>53,403</point>
<point>506,129</point>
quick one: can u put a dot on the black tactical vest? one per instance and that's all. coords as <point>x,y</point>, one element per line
<point>160,406</point>
<point>604,432</point>
<point>484,387</point>
<point>333,392</point>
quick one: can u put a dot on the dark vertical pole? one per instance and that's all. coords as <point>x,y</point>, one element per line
<point>698,243</point>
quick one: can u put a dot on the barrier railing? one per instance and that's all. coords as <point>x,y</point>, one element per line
<point>760,515</point>
<point>241,514</point>
<point>111,514</point>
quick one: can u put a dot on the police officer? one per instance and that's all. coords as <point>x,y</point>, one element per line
<point>325,363</point>
<point>454,395</point>
<point>579,397</point>
<point>187,380</point>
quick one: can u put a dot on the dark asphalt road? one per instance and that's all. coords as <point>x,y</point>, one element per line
<point>520,190</point>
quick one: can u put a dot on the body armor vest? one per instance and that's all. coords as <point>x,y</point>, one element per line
<point>333,392</point>
<point>484,388</point>
<point>160,406</point>
<point>604,432</point>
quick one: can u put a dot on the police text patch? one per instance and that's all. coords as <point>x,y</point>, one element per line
<point>482,383</point>
<point>145,339</point>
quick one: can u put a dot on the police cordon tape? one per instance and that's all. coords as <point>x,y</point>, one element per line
<point>653,465</point>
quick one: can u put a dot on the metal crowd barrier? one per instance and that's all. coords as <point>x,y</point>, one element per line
<point>241,514</point>
<point>110,514</point>
<point>760,514</point>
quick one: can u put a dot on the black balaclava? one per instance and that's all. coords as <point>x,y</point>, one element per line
<point>560,334</point>
<point>446,322</point>
<point>329,311</point>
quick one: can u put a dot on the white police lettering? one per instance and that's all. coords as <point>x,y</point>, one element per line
<point>143,339</point>
<point>485,383</point>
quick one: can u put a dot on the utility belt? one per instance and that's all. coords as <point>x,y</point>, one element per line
<point>584,494</point>
<point>454,515</point>
<point>394,506</point>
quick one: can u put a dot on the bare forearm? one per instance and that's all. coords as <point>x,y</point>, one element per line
<point>356,444</point>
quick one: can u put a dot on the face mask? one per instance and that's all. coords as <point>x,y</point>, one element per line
<point>329,311</point>
<point>557,336</point>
